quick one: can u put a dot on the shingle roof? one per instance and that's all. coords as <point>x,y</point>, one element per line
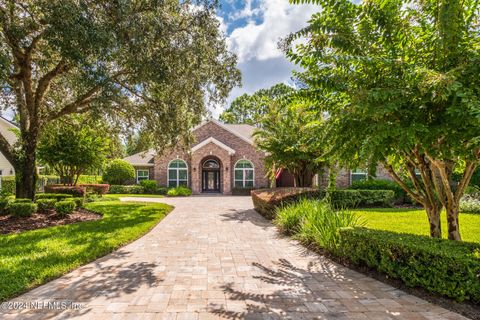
<point>142,158</point>
<point>244,130</point>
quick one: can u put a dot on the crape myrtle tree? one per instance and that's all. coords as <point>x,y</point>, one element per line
<point>156,64</point>
<point>289,135</point>
<point>250,109</point>
<point>74,146</point>
<point>400,83</point>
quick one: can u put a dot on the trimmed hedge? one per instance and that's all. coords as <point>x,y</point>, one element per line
<point>450,268</point>
<point>361,198</point>
<point>22,200</point>
<point>45,205</point>
<point>179,192</point>
<point>4,203</point>
<point>78,202</point>
<point>120,189</point>
<point>97,188</point>
<point>118,171</point>
<point>56,196</point>
<point>266,201</point>
<point>75,191</point>
<point>22,209</point>
<point>64,208</point>
<point>380,184</point>
<point>149,186</point>
<point>8,185</point>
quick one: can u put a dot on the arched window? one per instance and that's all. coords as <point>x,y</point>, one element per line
<point>244,177</point>
<point>177,173</point>
<point>211,164</point>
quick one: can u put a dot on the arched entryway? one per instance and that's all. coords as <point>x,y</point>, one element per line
<point>211,179</point>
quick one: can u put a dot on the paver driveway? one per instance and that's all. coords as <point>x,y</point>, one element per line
<point>214,257</point>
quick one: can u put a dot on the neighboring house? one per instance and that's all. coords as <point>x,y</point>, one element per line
<point>7,129</point>
<point>222,158</point>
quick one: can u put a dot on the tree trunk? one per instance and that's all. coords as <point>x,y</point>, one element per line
<point>452,222</point>
<point>26,172</point>
<point>433,213</point>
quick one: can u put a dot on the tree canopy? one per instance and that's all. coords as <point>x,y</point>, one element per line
<point>250,109</point>
<point>399,82</point>
<point>155,64</point>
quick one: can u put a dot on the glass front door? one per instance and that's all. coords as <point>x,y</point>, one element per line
<point>211,181</point>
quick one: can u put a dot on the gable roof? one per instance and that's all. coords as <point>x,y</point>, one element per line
<point>143,158</point>
<point>214,141</point>
<point>243,131</point>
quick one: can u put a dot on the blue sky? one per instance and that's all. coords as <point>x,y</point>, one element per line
<point>253,29</point>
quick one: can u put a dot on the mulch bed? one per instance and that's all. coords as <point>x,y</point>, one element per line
<point>9,224</point>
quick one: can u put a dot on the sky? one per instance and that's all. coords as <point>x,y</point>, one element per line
<point>253,29</point>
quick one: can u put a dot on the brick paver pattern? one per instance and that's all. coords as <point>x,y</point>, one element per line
<point>216,258</point>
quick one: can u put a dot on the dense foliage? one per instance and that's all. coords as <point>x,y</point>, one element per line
<point>118,171</point>
<point>440,266</point>
<point>399,82</point>
<point>22,209</point>
<point>75,191</point>
<point>149,64</point>
<point>361,198</point>
<point>179,191</point>
<point>379,184</point>
<point>65,207</point>
<point>71,148</point>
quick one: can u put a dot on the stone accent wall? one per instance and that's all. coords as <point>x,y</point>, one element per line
<point>243,150</point>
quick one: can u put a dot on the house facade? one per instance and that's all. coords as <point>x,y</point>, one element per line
<point>222,158</point>
<point>7,130</point>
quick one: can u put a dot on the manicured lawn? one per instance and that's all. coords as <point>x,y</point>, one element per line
<point>415,221</point>
<point>31,258</point>
<point>134,195</point>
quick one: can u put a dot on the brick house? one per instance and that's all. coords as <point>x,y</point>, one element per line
<point>222,158</point>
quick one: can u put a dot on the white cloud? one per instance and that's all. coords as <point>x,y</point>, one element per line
<point>259,40</point>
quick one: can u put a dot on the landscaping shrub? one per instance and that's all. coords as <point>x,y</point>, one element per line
<point>315,222</point>
<point>161,190</point>
<point>64,208</point>
<point>78,202</point>
<point>75,191</point>
<point>89,179</point>
<point>45,205</point>
<point>266,201</point>
<point>119,189</point>
<point>118,171</point>
<point>450,268</point>
<point>149,186</point>
<point>380,184</point>
<point>96,188</point>
<point>22,209</point>
<point>4,202</point>
<point>179,191</point>
<point>470,204</point>
<point>22,200</point>
<point>56,196</point>
<point>98,199</point>
<point>361,198</point>
<point>8,185</point>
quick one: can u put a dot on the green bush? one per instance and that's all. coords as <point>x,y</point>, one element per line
<point>8,185</point>
<point>119,189</point>
<point>22,200</point>
<point>266,201</point>
<point>78,202</point>
<point>4,202</point>
<point>179,191</point>
<point>118,171</point>
<point>63,208</point>
<point>45,205</point>
<point>149,186</point>
<point>315,222</point>
<point>161,190</point>
<point>22,209</point>
<point>56,196</point>
<point>101,199</point>
<point>361,198</point>
<point>470,204</point>
<point>450,268</point>
<point>380,184</point>
<point>75,191</point>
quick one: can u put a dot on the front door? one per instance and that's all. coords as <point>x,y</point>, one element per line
<point>211,176</point>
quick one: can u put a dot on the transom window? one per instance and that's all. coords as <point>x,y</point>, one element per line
<point>211,164</point>
<point>244,174</point>
<point>177,173</point>
<point>142,174</point>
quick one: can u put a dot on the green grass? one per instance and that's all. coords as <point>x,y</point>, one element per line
<point>31,258</point>
<point>112,195</point>
<point>415,221</point>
